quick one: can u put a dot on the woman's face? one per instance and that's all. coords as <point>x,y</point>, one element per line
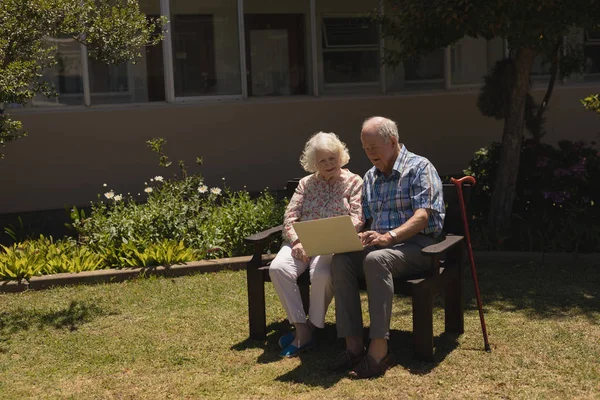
<point>328,164</point>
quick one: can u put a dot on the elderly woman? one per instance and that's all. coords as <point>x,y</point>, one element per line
<point>328,192</point>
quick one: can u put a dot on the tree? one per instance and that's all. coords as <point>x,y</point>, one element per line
<point>114,31</point>
<point>530,27</point>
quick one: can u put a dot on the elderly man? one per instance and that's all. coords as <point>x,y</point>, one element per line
<point>402,199</point>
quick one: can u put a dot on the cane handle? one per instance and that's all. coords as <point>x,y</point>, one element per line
<point>467,179</point>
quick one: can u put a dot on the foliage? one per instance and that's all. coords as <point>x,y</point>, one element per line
<point>16,233</point>
<point>557,197</point>
<point>45,256</point>
<point>240,216</point>
<point>20,261</point>
<point>67,256</point>
<point>592,103</point>
<point>179,220</point>
<point>494,98</point>
<point>420,27</point>
<point>113,31</point>
<point>212,221</point>
<point>529,28</point>
<point>166,252</point>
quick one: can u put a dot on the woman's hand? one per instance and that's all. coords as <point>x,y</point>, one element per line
<point>372,238</point>
<point>298,252</point>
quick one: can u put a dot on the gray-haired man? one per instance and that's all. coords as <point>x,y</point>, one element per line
<point>403,199</point>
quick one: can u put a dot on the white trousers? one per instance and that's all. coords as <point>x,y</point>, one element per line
<point>284,272</point>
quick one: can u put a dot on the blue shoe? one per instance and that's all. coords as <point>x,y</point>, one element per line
<point>286,339</point>
<point>293,351</point>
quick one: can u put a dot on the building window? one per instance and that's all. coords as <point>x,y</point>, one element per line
<point>133,82</point>
<point>350,50</point>
<point>591,51</point>
<point>65,76</point>
<point>469,61</point>
<point>109,83</point>
<point>206,54</point>
<point>275,51</point>
<point>428,69</point>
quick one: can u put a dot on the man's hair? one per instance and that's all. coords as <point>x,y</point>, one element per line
<point>385,127</point>
<point>323,141</point>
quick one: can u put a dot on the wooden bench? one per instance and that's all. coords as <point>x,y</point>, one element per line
<point>444,277</point>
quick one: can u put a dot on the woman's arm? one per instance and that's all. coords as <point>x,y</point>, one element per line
<point>355,201</point>
<point>293,213</point>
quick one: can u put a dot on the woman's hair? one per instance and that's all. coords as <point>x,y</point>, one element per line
<point>323,141</point>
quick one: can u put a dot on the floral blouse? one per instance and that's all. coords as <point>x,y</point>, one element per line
<point>316,198</point>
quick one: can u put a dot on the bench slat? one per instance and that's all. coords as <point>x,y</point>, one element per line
<point>264,235</point>
<point>440,248</point>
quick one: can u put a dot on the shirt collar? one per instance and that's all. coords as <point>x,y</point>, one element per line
<point>398,164</point>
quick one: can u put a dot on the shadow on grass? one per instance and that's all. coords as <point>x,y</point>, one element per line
<point>541,290</point>
<point>313,368</point>
<point>70,318</point>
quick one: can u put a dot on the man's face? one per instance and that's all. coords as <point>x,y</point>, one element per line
<point>382,154</point>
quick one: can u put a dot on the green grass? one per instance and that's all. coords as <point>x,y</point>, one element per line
<point>186,338</point>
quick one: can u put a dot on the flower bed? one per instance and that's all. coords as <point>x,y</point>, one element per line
<point>170,221</point>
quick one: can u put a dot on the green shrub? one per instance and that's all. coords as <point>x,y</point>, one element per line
<point>592,103</point>
<point>167,252</point>
<point>557,197</point>
<point>179,220</point>
<point>211,221</point>
<point>67,256</point>
<point>45,256</point>
<point>20,261</point>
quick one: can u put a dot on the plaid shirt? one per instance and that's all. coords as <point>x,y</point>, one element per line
<point>414,183</point>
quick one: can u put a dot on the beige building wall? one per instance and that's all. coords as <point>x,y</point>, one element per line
<point>71,152</point>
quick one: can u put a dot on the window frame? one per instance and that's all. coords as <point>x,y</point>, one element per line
<point>317,48</point>
<point>376,47</point>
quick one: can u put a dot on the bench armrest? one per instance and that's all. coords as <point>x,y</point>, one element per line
<point>440,248</point>
<point>264,236</point>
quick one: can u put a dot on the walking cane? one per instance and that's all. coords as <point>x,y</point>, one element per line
<point>458,183</point>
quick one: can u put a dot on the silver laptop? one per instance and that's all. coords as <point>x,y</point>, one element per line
<point>328,235</point>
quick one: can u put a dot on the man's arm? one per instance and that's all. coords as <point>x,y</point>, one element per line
<point>410,228</point>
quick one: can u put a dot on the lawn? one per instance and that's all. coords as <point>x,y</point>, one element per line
<point>186,338</point>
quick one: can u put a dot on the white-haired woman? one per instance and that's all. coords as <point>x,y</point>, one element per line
<point>329,191</point>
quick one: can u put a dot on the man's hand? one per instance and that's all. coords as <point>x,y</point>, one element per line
<point>298,252</point>
<point>372,238</point>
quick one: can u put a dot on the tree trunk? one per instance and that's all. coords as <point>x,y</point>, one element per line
<point>544,105</point>
<point>503,195</point>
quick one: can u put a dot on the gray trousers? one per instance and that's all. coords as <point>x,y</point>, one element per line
<point>379,266</point>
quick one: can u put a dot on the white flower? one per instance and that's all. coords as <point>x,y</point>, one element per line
<point>151,179</point>
<point>159,178</point>
<point>104,185</point>
<point>203,189</point>
<point>146,183</point>
<point>148,190</point>
<point>109,195</point>
<point>215,190</point>
<point>118,197</point>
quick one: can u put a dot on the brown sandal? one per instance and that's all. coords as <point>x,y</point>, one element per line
<point>346,360</point>
<point>369,368</point>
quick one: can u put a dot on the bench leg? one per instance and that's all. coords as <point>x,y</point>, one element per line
<point>454,304</point>
<point>256,304</point>
<point>454,299</point>
<point>422,301</point>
